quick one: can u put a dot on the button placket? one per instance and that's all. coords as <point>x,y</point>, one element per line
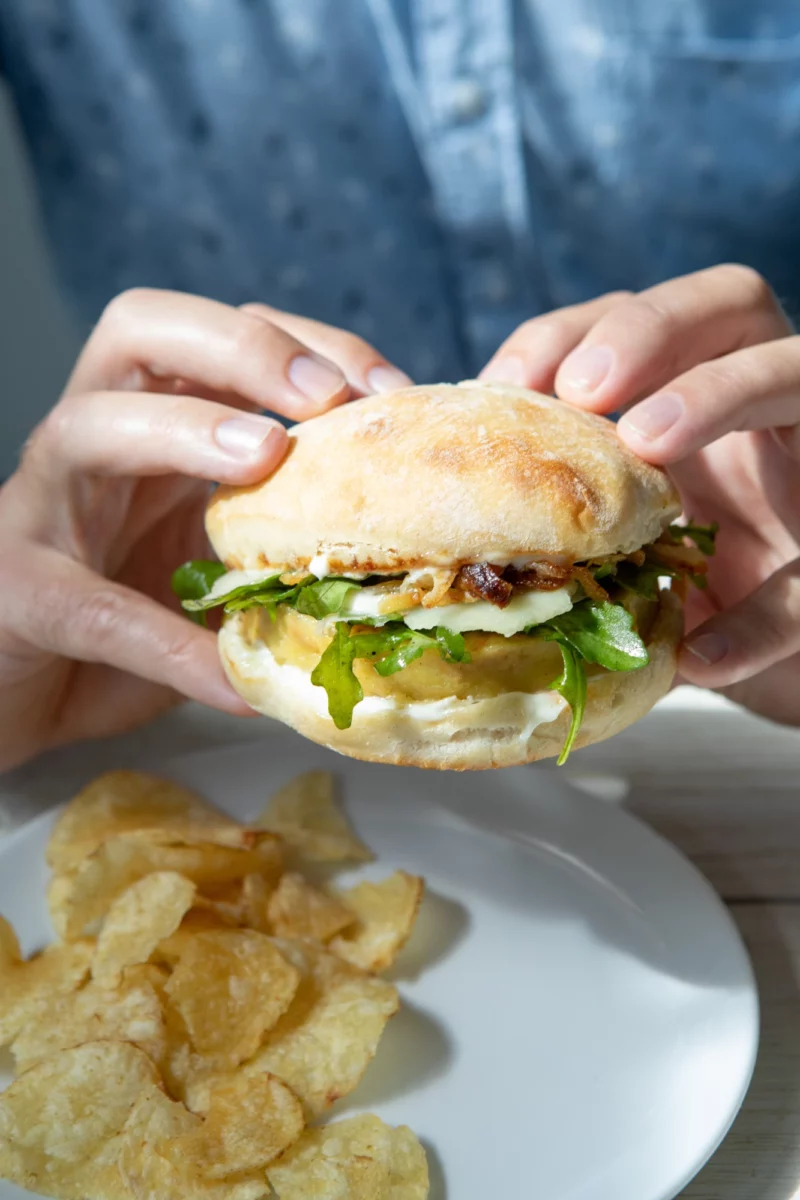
<point>465,71</point>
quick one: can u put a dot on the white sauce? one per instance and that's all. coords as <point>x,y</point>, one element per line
<point>235,579</point>
<point>438,719</point>
<point>320,566</point>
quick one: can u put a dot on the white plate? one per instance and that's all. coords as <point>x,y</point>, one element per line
<point>580,1019</point>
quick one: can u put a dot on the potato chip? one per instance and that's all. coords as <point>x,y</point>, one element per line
<point>130,1012</point>
<point>250,1121</point>
<point>357,1159</point>
<point>59,1121</point>
<point>79,900</point>
<point>296,909</point>
<point>26,986</point>
<point>230,987</point>
<point>227,900</point>
<point>149,911</point>
<point>131,802</point>
<point>386,913</point>
<point>305,814</point>
<point>10,953</point>
<point>148,1173</point>
<point>256,892</point>
<point>325,1040</point>
<point>197,920</point>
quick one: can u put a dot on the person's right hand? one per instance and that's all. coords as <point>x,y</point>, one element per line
<point>109,499</point>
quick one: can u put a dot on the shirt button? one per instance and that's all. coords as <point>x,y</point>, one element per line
<point>468,100</point>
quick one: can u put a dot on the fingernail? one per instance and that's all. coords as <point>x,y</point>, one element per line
<point>585,370</point>
<point>387,379</point>
<point>315,379</point>
<point>510,369</point>
<point>652,418</point>
<point>710,648</point>
<point>244,437</point>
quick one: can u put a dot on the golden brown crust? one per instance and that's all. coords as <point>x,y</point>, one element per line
<point>445,475</point>
<point>614,701</point>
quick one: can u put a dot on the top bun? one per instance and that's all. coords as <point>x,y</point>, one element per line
<point>441,476</point>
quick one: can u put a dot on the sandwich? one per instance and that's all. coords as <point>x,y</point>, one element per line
<point>455,577</point>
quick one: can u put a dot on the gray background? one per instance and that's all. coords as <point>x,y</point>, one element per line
<point>37,343</point>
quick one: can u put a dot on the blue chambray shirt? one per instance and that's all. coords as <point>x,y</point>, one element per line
<point>429,173</point>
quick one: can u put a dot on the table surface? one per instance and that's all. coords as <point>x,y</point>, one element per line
<point>723,786</point>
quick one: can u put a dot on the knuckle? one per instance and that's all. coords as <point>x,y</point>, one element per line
<point>124,304</point>
<point>46,442</point>
<point>180,652</point>
<point>100,616</point>
<point>748,283</point>
<point>259,339</point>
<point>648,317</point>
<point>554,331</point>
<point>349,346</point>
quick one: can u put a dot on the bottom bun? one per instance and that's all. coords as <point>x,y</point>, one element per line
<point>459,735</point>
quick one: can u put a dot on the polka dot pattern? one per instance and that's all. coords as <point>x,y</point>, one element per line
<point>544,153</point>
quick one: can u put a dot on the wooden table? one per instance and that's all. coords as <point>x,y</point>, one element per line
<point>721,785</point>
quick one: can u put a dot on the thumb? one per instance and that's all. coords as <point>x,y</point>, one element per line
<point>747,638</point>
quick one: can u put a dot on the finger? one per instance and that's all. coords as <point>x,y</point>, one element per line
<point>643,343</point>
<point>131,433</point>
<point>534,352</point>
<point>365,369</point>
<point>758,388</point>
<point>63,608</point>
<point>145,332</point>
<point>749,637</point>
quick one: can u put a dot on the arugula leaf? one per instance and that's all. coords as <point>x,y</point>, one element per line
<point>604,570</point>
<point>324,597</point>
<point>268,598</point>
<point>382,639</point>
<point>407,650</point>
<point>391,647</point>
<point>451,645</point>
<point>643,581</point>
<point>703,536</point>
<point>571,684</point>
<point>334,672</point>
<point>192,580</point>
<point>596,633</point>
<point>235,596</point>
<point>601,633</point>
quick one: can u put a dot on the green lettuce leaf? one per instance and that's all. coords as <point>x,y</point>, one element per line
<point>410,646</point>
<point>266,597</point>
<point>314,597</point>
<point>334,672</point>
<point>192,580</point>
<point>324,596</point>
<point>571,684</point>
<point>390,648</point>
<point>600,633</point>
<point>595,633</point>
<point>237,595</point>
<point>643,581</point>
<point>703,536</point>
<point>451,645</point>
<point>604,570</point>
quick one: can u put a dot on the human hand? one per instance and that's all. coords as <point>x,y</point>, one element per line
<point>707,371</point>
<point>109,498</point>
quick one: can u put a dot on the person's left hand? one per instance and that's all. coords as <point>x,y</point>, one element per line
<point>707,369</point>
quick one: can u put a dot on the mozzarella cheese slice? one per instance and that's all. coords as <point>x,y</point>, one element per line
<point>524,609</point>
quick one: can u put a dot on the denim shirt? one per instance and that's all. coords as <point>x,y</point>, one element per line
<point>428,173</point>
